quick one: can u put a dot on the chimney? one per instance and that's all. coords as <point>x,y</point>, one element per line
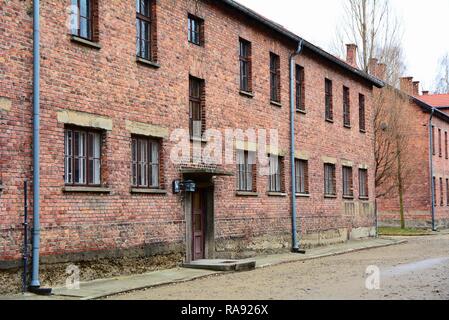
<point>372,67</point>
<point>416,88</point>
<point>351,54</point>
<point>407,85</point>
<point>425,93</point>
<point>382,71</point>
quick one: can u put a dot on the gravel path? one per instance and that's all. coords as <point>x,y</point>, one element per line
<point>416,270</point>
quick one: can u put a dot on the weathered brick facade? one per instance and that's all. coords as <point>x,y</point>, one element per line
<point>105,87</point>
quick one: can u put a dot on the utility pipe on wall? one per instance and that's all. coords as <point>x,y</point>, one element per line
<point>432,186</point>
<point>35,283</point>
<point>295,242</point>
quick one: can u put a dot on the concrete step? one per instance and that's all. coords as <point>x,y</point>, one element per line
<point>222,265</point>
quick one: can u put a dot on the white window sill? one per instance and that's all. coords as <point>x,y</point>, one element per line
<point>81,189</point>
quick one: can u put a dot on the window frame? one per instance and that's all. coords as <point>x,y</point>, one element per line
<point>330,168</point>
<point>363,184</point>
<point>441,192</point>
<point>150,141</point>
<point>199,23</point>
<point>300,89</point>
<point>302,176</point>
<point>275,78</point>
<point>348,182</point>
<point>247,170</point>
<point>328,97</point>
<point>346,107</point>
<point>88,148</point>
<point>440,147</point>
<point>362,113</point>
<point>196,100</point>
<point>149,21</point>
<point>245,63</point>
<point>89,19</point>
<point>275,179</point>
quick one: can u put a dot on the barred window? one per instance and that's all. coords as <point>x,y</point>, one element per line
<point>330,187</point>
<point>246,171</point>
<point>441,193</point>
<point>433,140</point>
<point>195,30</point>
<point>82,157</point>
<point>346,108</point>
<point>447,192</point>
<point>302,176</point>
<point>348,189</point>
<point>434,185</point>
<point>362,120</point>
<point>145,162</point>
<point>245,66</point>
<point>446,145</point>
<point>275,78</point>
<point>363,184</point>
<point>328,100</point>
<point>276,172</point>
<point>440,150</point>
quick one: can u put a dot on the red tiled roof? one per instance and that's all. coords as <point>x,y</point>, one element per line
<point>436,100</point>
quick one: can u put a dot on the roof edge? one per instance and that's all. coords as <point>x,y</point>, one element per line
<point>324,54</point>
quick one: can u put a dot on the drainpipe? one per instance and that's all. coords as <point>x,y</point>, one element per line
<point>295,243</point>
<point>432,187</point>
<point>36,146</point>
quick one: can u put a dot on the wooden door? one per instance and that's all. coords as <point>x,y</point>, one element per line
<point>198,224</point>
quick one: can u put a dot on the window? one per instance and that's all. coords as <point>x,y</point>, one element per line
<point>330,186</point>
<point>363,184</point>
<point>434,185</point>
<point>246,171</point>
<point>196,30</point>
<point>445,145</point>
<point>447,192</point>
<point>85,18</point>
<point>145,162</point>
<point>196,107</point>
<point>275,78</point>
<point>300,89</point>
<point>440,150</point>
<point>328,100</point>
<point>245,66</point>
<point>276,172</point>
<point>362,121</point>
<point>146,29</point>
<point>348,190</point>
<point>441,193</point>
<point>82,157</point>
<point>302,176</point>
<point>346,108</point>
<point>433,140</point>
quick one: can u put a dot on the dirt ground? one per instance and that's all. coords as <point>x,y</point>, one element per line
<point>55,275</point>
<point>416,270</point>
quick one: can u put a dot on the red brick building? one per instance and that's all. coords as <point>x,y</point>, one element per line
<point>108,117</point>
<point>429,164</point>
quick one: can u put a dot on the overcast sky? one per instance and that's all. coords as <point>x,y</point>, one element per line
<point>426,27</point>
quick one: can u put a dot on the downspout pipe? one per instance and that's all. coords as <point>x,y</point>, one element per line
<point>35,283</point>
<point>295,243</point>
<point>432,186</point>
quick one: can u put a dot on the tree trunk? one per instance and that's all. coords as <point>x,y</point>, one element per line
<point>401,190</point>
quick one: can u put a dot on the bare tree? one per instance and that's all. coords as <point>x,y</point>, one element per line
<point>394,136</point>
<point>442,78</point>
<point>376,30</point>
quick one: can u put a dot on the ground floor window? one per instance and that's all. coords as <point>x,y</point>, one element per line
<point>347,182</point>
<point>246,171</point>
<point>145,164</point>
<point>302,176</point>
<point>276,172</point>
<point>363,183</point>
<point>82,157</point>
<point>330,188</point>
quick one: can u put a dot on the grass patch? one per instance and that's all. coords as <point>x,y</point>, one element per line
<point>397,231</point>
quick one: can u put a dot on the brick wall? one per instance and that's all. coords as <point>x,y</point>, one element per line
<point>108,82</point>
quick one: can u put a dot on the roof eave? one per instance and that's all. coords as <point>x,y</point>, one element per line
<point>270,24</point>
